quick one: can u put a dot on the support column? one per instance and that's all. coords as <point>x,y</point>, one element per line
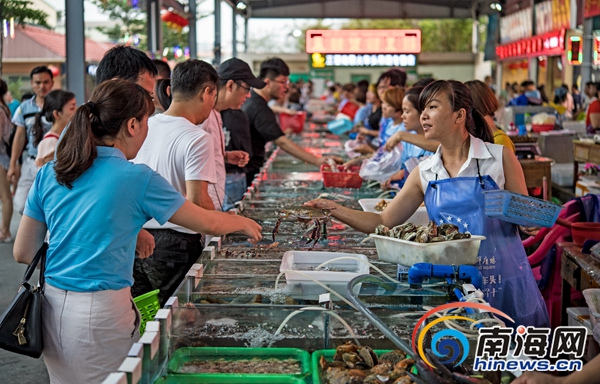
<point>588,48</point>
<point>75,63</point>
<point>234,33</point>
<point>245,35</point>
<point>154,27</point>
<point>192,36</point>
<point>533,69</point>
<point>217,47</point>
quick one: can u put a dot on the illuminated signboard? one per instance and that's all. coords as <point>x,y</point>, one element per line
<point>550,44</point>
<point>318,60</point>
<point>363,41</point>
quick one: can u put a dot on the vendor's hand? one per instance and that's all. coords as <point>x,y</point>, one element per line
<point>252,229</point>
<point>531,231</point>
<point>393,141</point>
<point>538,378</point>
<point>321,204</point>
<point>144,246</point>
<point>239,158</point>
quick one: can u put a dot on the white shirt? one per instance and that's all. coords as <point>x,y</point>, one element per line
<point>490,163</point>
<point>179,151</point>
<point>214,126</point>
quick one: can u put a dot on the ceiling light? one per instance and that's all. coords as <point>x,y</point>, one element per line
<point>241,6</point>
<point>297,33</point>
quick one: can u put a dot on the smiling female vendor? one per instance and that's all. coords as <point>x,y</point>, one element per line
<point>451,183</point>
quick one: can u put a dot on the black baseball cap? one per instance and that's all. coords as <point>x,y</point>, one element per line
<point>236,69</point>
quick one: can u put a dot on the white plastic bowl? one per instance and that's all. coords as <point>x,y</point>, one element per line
<point>407,253</point>
<point>344,270</point>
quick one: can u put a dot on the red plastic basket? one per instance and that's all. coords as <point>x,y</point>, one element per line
<point>296,122</point>
<point>341,179</point>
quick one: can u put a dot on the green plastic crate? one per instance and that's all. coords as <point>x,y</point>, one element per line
<point>148,305</point>
<point>184,355</point>
<point>328,353</point>
<point>187,379</point>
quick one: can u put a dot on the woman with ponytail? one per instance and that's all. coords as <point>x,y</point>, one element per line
<point>6,128</point>
<point>93,202</point>
<point>452,183</point>
<point>59,107</point>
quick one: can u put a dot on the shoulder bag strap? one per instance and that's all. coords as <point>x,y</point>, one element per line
<point>39,256</point>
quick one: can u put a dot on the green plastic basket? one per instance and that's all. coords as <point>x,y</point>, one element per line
<point>187,379</point>
<point>148,305</point>
<point>328,354</point>
<point>184,355</point>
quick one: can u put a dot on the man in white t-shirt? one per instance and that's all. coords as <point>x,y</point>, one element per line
<point>183,153</point>
<point>235,81</point>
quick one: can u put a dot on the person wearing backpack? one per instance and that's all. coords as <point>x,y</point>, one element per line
<point>42,82</point>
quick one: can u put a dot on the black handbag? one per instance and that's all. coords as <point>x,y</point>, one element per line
<point>21,322</point>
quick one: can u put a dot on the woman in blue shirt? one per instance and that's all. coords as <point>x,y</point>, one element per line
<point>93,201</point>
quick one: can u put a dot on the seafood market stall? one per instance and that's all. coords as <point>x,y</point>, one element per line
<point>283,310</point>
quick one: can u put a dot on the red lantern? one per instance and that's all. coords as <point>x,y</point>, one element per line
<point>174,18</point>
<point>55,70</point>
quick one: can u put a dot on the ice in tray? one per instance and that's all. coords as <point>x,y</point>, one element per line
<point>305,262</point>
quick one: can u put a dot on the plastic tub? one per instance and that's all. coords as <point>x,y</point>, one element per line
<point>345,270</point>
<point>520,209</point>
<point>585,231</point>
<point>407,253</point>
<point>342,178</point>
<point>184,355</point>
<point>339,126</point>
<point>148,305</point>
<point>295,122</point>
<point>537,128</point>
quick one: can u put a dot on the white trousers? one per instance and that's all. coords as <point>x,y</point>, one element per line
<point>87,334</point>
<point>28,172</point>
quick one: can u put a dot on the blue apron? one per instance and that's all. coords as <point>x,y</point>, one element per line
<point>508,283</point>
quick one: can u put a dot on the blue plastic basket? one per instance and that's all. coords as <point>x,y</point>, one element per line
<point>339,126</point>
<point>519,209</point>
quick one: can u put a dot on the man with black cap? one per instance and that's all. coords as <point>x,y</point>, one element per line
<point>235,81</point>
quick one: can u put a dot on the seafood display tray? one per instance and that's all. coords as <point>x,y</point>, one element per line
<point>186,379</point>
<point>328,354</point>
<point>250,356</point>
<point>407,253</point>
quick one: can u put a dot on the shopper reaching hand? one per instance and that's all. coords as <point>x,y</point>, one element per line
<point>94,202</point>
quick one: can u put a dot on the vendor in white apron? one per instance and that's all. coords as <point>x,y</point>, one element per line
<point>452,183</point>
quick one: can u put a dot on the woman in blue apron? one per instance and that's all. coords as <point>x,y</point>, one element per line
<point>452,183</point>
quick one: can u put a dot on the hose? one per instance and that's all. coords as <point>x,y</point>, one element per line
<point>317,282</point>
<point>344,323</point>
<point>362,261</point>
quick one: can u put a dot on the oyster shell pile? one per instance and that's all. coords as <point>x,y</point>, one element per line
<point>355,364</point>
<point>431,233</point>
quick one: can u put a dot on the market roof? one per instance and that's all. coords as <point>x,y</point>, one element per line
<point>365,9</point>
<point>33,43</point>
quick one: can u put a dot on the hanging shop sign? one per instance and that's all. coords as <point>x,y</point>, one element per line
<point>516,26</point>
<point>543,17</point>
<point>363,41</point>
<point>550,44</point>
<point>561,14</point>
<point>591,8</point>
<point>318,60</point>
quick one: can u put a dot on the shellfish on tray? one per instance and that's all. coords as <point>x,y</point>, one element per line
<point>430,233</point>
